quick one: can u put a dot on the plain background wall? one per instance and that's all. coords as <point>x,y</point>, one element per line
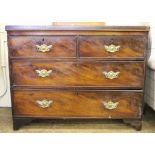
<point>46,11</point>
<point>118,12</point>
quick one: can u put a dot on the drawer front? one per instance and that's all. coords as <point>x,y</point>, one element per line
<point>42,46</point>
<point>112,46</point>
<point>77,104</point>
<point>66,74</point>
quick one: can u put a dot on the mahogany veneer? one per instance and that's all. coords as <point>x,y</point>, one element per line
<point>77,104</point>
<point>86,72</point>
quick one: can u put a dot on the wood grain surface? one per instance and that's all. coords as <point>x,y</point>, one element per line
<point>130,46</point>
<point>62,46</point>
<point>83,74</point>
<point>77,104</point>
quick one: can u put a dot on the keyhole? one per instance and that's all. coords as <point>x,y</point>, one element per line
<point>77,93</point>
<point>43,39</point>
<point>112,41</point>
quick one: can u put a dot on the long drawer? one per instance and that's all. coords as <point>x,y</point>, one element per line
<point>58,104</point>
<point>112,46</point>
<point>80,74</point>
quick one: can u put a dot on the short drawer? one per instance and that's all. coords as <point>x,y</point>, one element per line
<point>112,46</point>
<point>104,104</point>
<point>42,46</point>
<point>81,74</point>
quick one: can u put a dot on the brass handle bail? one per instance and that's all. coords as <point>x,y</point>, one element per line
<point>112,48</point>
<point>110,105</point>
<point>43,73</point>
<point>44,48</point>
<point>111,74</point>
<point>44,103</point>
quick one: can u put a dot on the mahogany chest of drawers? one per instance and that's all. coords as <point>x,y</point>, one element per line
<point>60,72</point>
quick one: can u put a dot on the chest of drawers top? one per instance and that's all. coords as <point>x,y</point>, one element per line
<point>75,28</point>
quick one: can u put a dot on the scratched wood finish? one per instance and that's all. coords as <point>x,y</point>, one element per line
<point>77,104</point>
<point>130,46</point>
<point>25,46</point>
<point>78,74</point>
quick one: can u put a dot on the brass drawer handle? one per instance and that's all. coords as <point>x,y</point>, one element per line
<point>110,105</point>
<point>44,103</point>
<point>112,48</point>
<point>44,48</point>
<point>43,73</point>
<point>111,75</point>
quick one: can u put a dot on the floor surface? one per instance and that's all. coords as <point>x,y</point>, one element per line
<point>70,126</point>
